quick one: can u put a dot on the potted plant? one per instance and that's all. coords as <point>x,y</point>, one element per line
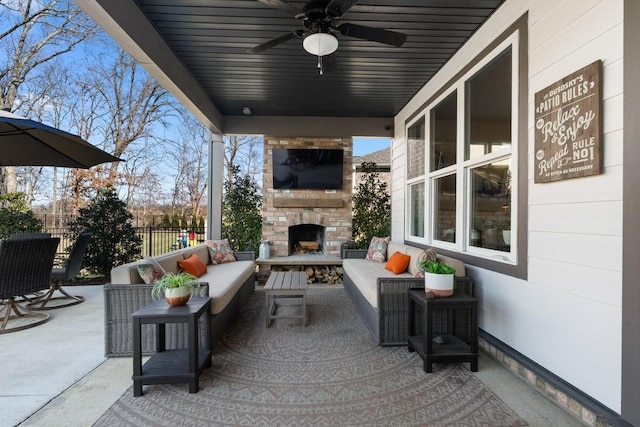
<point>177,288</point>
<point>438,277</point>
<point>505,226</point>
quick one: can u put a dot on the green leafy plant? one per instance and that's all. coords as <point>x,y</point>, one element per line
<point>16,216</point>
<point>371,208</point>
<point>436,267</point>
<point>241,212</point>
<point>504,225</point>
<point>173,281</point>
<point>114,240</point>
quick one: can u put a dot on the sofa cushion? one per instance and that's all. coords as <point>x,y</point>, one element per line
<point>425,255</point>
<point>200,250</point>
<point>393,247</point>
<point>365,273</point>
<point>397,263</point>
<point>193,265</point>
<point>128,273</point>
<point>378,249</point>
<point>220,251</point>
<point>225,280</point>
<point>455,263</point>
<point>150,271</point>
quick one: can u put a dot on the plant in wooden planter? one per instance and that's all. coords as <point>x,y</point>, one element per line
<point>177,288</point>
<point>438,277</point>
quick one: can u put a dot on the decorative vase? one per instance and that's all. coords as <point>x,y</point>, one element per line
<point>440,284</point>
<point>264,251</point>
<point>177,296</point>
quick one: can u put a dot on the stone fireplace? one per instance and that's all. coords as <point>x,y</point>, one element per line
<point>321,217</point>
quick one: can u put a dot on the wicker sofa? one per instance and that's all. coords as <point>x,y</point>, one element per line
<point>229,285</point>
<point>381,296</point>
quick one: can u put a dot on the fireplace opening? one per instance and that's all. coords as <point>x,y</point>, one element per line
<point>306,239</point>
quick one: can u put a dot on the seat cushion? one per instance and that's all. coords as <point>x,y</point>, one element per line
<point>225,280</point>
<point>365,273</point>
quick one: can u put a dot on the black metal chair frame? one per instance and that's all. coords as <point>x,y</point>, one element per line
<point>35,235</point>
<point>63,275</point>
<point>25,268</point>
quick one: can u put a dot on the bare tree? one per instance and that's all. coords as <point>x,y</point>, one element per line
<point>33,33</point>
<point>190,164</point>
<point>244,152</point>
<point>133,100</point>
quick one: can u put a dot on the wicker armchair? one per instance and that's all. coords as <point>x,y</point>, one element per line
<point>25,268</point>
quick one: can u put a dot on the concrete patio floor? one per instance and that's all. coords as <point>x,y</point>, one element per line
<point>56,374</point>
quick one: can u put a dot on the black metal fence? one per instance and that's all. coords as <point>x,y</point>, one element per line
<point>155,240</point>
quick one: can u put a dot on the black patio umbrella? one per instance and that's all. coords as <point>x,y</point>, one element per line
<point>25,142</point>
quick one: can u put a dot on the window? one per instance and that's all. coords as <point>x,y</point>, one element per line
<point>471,126</point>
<point>488,154</point>
<point>415,174</point>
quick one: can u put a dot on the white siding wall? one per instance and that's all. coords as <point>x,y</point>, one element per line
<point>567,315</point>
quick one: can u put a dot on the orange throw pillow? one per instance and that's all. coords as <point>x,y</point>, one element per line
<point>193,265</point>
<point>398,263</point>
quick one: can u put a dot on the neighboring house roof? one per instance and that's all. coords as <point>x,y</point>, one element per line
<point>380,158</point>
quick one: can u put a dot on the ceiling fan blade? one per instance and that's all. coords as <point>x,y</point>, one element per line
<point>274,42</point>
<point>279,4</point>
<point>379,35</point>
<point>329,63</point>
<point>340,7</point>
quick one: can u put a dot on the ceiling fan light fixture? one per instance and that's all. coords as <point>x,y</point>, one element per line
<point>320,44</point>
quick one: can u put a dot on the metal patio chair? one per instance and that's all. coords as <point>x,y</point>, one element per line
<point>64,275</point>
<point>25,268</point>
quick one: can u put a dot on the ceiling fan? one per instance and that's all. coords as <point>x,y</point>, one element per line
<point>320,21</point>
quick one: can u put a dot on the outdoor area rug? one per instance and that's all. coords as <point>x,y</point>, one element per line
<point>329,373</point>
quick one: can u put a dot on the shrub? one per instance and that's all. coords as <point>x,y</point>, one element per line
<point>241,212</point>
<point>371,208</point>
<point>16,217</point>
<point>114,240</point>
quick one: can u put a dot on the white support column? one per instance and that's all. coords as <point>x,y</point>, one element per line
<point>215,181</point>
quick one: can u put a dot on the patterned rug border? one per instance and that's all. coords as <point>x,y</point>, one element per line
<point>328,373</point>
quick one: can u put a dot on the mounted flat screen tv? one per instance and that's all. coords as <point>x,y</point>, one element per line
<point>319,169</point>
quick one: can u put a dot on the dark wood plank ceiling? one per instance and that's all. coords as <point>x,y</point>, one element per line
<point>211,37</point>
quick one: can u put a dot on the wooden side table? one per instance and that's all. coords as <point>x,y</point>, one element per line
<point>286,284</point>
<point>450,344</point>
<point>172,366</point>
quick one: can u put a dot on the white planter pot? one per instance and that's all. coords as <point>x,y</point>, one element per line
<point>506,236</point>
<point>177,296</point>
<point>440,284</point>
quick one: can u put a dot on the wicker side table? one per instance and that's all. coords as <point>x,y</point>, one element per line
<point>449,344</point>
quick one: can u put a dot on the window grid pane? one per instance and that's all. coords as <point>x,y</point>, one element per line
<point>443,133</point>
<point>488,100</point>
<point>491,206</point>
<point>445,208</point>
<point>415,151</point>
<point>417,194</point>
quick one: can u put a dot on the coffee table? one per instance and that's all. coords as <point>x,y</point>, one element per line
<point>286,284</point>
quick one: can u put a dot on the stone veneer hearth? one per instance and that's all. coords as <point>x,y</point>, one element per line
<point>330,209</point>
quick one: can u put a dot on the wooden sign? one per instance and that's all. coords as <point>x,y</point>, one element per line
<point>568,127</point>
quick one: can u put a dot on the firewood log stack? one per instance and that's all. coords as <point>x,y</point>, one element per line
<point>326,274</point>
